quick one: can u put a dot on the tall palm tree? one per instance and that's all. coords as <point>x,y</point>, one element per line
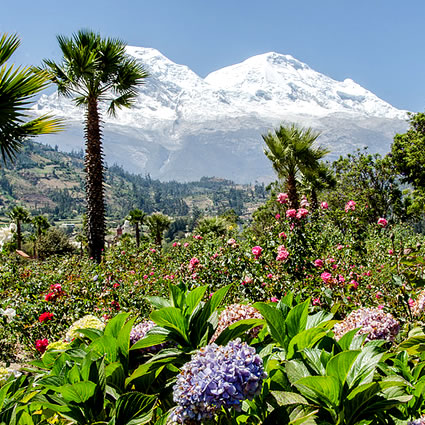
<point>95,70</point>
<point>136,218</point>
<point>292,152</point>
<point>19,215</point>
<point>41,224</point>
<point>17,89</point>
<point>158,223</point>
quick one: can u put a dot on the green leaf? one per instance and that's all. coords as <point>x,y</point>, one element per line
<point>304,339</point>
<point>321,318</point>
<point>285,398</point>
<point>115,325</point>
<point>78,393</point>
<point>134,409</point>
<point>275,322</point>
<point>177,295</point>
<point>171,317</point>
<point>151,339</point>
<point>320,389</point>
<point>194,297</point>
<point>340,365</point>
<point>159,302</point>
<point>413,345</point>
<point>296,321</point>
<point>237,329</point>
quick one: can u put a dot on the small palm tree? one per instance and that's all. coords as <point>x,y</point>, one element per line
<point>158,223</point>
<point>41,224</point>
<point>95,70</point>
<point>136,218</point>
<point>216,226</point>
<point>19,215</point>
<point>18,86</point>
<point>292,152</point>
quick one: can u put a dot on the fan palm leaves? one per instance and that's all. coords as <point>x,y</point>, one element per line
<point>17,89</point>
<point>95,70</point>
<point>292,152</point>
<point>19,215</point>
<point>137,218</point>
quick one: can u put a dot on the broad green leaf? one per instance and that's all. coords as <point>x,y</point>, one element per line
<point>296,321</point>
<point>147,368</point>
<point>320,389</point>
<point>194,297</point>
<point>237,329</point>
<point>316,359</point>
<point>155,336</point>
<point>134,409</point>
<point>105,346</point>
<point>345,341</point>
<point>295,370</point>
<point>304,339</point>
<point>340,365</point>
<point>275,321</point>
<point>78,393</point>
<point>413,345</point>
<point>171,317</point>
<point>321,318</point>
<point>91,334</point>
<point>115,375</point>
<point>115,325</point>
<point>177,295</point>
<point>285,398</point>
<point>159,302</point>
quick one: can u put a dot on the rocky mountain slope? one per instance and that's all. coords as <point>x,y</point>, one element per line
<point>184,127</point>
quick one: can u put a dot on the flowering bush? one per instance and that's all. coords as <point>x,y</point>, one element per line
<point>372,322</point>
<point>216,377</point>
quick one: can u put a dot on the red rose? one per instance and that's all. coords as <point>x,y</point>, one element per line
<point>41,345</point>
<point>45,316</point>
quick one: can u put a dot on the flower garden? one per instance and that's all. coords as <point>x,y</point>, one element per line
<point>314,317</point>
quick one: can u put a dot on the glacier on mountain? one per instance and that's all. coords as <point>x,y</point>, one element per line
<point>184,127</point>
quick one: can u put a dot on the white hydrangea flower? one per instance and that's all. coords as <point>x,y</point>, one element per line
<point>86,322</point>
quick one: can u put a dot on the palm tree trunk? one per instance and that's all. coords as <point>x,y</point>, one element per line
<point>137,235</point>
<point>94,182</point>
<point>291,185</point>
<point>18,235</point>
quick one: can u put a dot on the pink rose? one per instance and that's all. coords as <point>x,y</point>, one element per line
<point>382,222</point>
<point>277,216</point>
<point>274,299</point>
<point>318,263</point>
<point>324,205</point>
<point>282,253</point>
<point>390,251</point>
<point>316,301</point>
<point>350,205</point>
<point>326,277</point>
<point>301,213</point>
<point>282,198</point>
<point>282,235</point>
<point>291,213</point>
<point>256,251</point>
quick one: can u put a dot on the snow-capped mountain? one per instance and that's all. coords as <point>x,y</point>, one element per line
<point>184,127</point>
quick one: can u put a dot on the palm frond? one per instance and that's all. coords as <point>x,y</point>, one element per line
<point>8,45</point>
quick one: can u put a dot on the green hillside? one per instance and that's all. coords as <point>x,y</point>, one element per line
<point>50,182</point>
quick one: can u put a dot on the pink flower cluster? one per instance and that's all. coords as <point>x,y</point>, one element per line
<point>234,313</point>
<point>198,237</point>
<point>45,316</point>
<point>372,322</point>
<point>418,305</point>
<point>324,205</point>
<point>299,214</point>
<point>256,251</point>
<point>56,291</point>
<point>41,345</point>
<point>350,206</point>
<point>282,198</point>
<point>193,263</point>
<point>282,253</point>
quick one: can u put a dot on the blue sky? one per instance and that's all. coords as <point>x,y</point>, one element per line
<point>377,43</point>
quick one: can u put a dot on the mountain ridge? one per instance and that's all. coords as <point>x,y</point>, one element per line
<point>183,126</point>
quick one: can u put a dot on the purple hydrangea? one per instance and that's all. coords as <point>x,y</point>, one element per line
<point>139,331</point>
<point>216,377</point>
<point>372,321</point>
